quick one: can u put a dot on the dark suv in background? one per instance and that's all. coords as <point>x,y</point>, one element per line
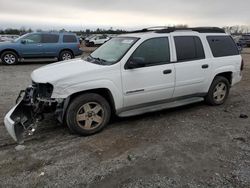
<point>244,41</point>
<point>59,45</point>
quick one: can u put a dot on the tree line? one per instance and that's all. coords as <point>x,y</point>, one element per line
<point>23,30</point>
<point>235,30</point>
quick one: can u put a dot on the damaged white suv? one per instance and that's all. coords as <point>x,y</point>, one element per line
<point>135,73</point>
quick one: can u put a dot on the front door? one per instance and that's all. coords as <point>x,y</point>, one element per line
<point>31,46</point>
<point>152,76</point>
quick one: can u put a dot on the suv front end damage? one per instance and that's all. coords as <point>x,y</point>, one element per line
<point>30,107</point>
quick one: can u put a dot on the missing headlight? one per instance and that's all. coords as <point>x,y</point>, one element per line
<point>43,90</point>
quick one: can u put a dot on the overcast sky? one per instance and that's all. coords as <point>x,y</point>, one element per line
<point>81,14</point>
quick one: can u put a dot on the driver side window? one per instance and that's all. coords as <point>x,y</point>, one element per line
<point>33,39</point>
<point>153,51</point>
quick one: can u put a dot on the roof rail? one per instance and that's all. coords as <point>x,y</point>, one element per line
<point>163,29</point>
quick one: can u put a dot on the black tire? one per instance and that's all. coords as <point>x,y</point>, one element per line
<point>78,105</point>
<point>91,44</point>
<point>65,55</point>
<point>218,98</point>
<point>9,58</point>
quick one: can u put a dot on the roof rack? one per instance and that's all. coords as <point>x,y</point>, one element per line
<point>163,29</point>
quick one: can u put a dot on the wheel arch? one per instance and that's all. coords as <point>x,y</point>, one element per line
<point>10,49</point>
<point>67,49</point>
<point>104,92</point>
<point>228,75</point>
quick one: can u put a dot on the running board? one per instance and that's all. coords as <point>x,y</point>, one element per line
<point>38,60</point>
<point>159,107</point>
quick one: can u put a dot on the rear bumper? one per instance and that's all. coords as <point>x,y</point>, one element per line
<point>236,77</point>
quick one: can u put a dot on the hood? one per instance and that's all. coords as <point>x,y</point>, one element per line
<point>7,44</point>
<point>66,71</point>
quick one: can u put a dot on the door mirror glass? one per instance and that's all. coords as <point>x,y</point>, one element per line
<point>23,41</point>
<point>136,62</point>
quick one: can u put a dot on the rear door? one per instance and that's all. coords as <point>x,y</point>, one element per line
<point>50,45</point>
<point>153,82</point>
<point>31,46</point>
<point>71,42</point>
<point>193,70</point>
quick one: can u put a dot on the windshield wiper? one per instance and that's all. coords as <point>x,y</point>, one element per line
<point>99,60</point>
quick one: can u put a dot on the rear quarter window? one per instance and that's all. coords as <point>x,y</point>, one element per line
<point>69,39</point>
<point>222,46</point>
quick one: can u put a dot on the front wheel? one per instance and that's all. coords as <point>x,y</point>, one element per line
<point>218,91</point>
<point>88,114</point>
<point>9,58</point>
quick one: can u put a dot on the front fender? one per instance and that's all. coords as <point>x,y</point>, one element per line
<point>68,90</point>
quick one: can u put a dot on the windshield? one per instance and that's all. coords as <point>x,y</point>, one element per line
<point>112,51</point>
<point>21,37</point>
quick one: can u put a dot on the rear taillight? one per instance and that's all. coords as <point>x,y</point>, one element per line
<point>242,65</point>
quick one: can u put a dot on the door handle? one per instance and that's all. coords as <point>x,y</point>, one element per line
<point>205,66</point>
<point>169,71</point>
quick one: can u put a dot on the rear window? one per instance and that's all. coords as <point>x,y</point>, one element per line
<point>69,39</point>
<point>222,46</point>
<point>189,48</point>
<point>50,38</point>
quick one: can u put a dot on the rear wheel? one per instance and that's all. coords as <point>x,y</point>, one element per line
<point>88,114</point>
<point>9,58</point>
<point>218,91</point>
<point>65,55</point>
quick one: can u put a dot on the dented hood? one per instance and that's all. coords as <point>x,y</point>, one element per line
<point>65,71</point>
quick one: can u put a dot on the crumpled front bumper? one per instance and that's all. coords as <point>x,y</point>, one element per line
<point>21,119</point>
<point>10,123</point>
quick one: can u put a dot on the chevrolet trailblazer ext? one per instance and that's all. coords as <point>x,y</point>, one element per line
<point>144,71</point>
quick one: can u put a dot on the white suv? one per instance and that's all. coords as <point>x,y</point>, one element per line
<point>131,74</point>
<point>98,40</point>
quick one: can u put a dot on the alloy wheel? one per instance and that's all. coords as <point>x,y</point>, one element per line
<point>9,59</point>
<point>66,56</point>
<point>90,116</point>
<point>220,92</point>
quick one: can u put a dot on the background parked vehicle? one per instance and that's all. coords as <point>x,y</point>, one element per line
<point>56,45</point>
<point>96,40</point>
<point>8,38</point>
<point>244,41</point>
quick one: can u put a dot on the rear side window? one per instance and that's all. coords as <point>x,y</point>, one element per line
<point>69,39</point>
<point>153,51</point>
<point>222,46</point>
<point>189,48</point>
<point>50,38</point>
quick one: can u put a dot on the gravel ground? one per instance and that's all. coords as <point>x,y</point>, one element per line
<point>191,146</point>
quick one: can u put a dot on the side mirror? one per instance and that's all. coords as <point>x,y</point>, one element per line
<point>136,62</point>
<point>23,41</point>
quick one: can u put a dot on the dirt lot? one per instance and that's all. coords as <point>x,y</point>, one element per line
<point>192,146</point>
